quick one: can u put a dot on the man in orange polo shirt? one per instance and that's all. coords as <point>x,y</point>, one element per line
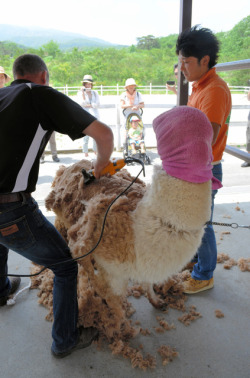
<point>198,53</point>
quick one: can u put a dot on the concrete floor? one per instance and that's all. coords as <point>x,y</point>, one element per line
<point>209,347</point>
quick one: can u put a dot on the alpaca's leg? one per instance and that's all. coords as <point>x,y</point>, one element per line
<point>153,298</point>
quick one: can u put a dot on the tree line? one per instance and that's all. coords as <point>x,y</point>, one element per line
<point>151,60</point>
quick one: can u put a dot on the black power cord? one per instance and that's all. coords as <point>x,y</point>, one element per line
<point>127,160</point>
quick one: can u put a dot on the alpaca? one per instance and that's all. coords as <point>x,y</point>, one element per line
<point>151,231</point>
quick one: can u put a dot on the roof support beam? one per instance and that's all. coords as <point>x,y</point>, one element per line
<point>184,22</point>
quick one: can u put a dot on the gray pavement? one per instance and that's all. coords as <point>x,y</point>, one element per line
<point>209,347</point>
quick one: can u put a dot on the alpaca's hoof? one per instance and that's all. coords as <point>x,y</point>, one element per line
<point>161,305</point>
<point>158,303</point>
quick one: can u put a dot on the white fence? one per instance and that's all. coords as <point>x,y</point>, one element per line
<point>155,104</point>
<point>117,89</point>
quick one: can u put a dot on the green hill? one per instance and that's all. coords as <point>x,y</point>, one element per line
<point>33,37</point>
<point>150,61</point>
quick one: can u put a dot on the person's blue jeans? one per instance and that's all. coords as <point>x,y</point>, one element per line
<point>85,147</point>
<point>25,230</point>
<point>207,252</point>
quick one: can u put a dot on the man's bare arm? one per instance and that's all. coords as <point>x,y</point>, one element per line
<point>103,136</point>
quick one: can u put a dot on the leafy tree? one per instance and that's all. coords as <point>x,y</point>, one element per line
<point>148,42</point>
<point>132,49</point>
<point>50,49</point>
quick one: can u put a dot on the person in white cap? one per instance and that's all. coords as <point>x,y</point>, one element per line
<point>135,135</point>
<point>90,103</point>
<point>4,78</point>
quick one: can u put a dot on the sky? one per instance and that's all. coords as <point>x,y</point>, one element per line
<point>122,21</point>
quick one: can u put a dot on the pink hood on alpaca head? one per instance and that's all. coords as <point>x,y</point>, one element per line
<point>184,141</point>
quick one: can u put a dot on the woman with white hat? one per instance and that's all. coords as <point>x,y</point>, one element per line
<point>131,100</point>
<point>4,78</point>
<point>90,103</point>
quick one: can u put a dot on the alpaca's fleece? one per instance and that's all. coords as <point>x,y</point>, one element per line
<point>146,239</point>
<point>150,234</point>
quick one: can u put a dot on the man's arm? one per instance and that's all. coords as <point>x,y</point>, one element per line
<point>172,88</point>
<point>216,129</point>
<point>103,136</point>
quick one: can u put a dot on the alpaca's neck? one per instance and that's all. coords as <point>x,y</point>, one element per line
<point>168,224</point>
<point>185,205</point>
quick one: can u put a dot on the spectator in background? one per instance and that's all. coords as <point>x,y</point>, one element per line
<point>4,78</point>
<point>246,164</point>
<point>52,144</point>
<point>91,102</point>
<point>173,88</point>
<point>135,134</point>
<point>131,100</point>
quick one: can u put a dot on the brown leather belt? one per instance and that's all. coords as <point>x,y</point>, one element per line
<point>13,197</point>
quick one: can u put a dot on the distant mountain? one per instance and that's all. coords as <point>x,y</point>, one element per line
<point>35,37</point>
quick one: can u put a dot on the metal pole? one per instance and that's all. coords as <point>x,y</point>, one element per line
<point>230,66</point>
<point>185,22</point>
<point>118,128</point>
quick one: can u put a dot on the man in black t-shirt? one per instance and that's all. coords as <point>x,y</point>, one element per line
<point>30,111</point>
